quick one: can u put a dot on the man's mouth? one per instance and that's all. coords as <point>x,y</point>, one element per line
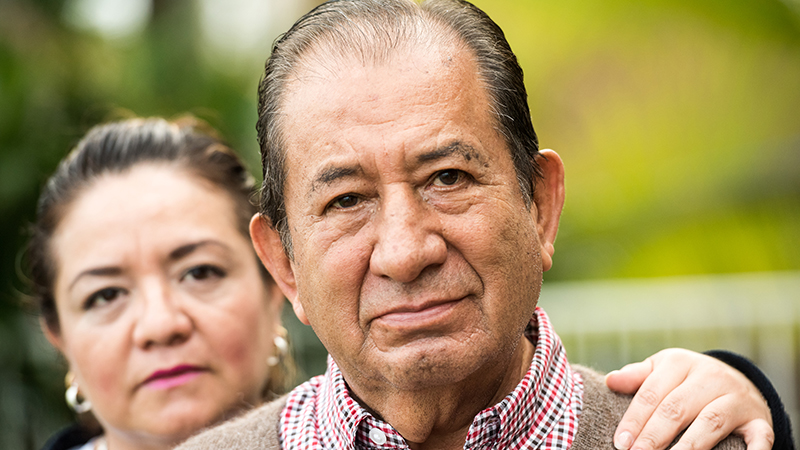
<point>411,317</point>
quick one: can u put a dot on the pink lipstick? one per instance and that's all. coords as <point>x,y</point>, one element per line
<point>176,376</point>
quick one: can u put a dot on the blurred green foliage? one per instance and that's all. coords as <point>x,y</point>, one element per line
<point>678,122</point>
<point>679,126</point>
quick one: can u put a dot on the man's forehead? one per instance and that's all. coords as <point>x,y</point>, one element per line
<point>393,98</point>
<point>347,80</point>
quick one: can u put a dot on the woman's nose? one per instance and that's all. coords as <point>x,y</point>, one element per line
<point>161,319</point>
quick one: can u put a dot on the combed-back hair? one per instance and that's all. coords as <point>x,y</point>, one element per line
<point>371,31</point>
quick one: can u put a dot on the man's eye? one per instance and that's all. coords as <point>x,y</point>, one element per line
<point>447,177</point>
<point>345,201</point>
<point>102,297</point>
<point>203,272</point>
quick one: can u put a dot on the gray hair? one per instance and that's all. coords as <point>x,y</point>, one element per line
<point>371,30</point>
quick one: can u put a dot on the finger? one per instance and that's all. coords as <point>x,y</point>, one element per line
<point>716,421</point>
<point>714,412</point>
<point>672,414</point>
<point>628,379</point>
<point>663,380</point>
<point>757,434</point>
<point>668,403</point>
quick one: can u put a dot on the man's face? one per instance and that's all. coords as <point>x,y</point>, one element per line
<point>416,260</point>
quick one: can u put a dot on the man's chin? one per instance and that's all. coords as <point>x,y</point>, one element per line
<point>434,362</point>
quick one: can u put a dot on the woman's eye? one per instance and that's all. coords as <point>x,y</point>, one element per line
<point>447,177</point>
<point>345,201</point>
<point>102,297</point>
<point>203,272</point>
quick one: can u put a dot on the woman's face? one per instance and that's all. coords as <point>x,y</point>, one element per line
<point>165,319</point>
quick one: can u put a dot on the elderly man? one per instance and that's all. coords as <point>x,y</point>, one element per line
<point>408,216</point>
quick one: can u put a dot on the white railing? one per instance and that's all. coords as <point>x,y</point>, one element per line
<point>606,324</point>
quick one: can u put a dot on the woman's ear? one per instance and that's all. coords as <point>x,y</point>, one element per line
<point>52,337</point>
<point>268,246</point>
<point>548,199</point>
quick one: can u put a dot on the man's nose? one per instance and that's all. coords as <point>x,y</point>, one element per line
<point>161,320</point>
<point>409,237</point>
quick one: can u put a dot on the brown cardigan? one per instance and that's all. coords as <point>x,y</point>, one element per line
<point>602,410</point>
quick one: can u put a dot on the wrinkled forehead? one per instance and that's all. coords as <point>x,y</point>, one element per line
<point>350,92</point>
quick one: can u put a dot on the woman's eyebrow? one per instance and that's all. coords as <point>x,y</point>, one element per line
<point>186,249</point>
<point>107,271</point>
<point>178,253</point>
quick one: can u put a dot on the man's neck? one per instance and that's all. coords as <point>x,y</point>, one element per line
<point>441,417</point>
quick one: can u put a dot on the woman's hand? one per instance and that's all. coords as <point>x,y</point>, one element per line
<point>675,388</point>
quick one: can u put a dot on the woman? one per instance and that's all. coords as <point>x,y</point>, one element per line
<point>149,286</point>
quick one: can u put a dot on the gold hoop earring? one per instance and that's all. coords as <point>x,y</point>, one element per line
<point>281,348</point>
<point>79,405</point>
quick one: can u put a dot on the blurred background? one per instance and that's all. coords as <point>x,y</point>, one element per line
<point>678,122</point>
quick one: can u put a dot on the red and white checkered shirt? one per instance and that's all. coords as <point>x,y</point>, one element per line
<point>540,413</point>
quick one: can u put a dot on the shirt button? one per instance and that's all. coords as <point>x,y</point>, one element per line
<point>377,436</point>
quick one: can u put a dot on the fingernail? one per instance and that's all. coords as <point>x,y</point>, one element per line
<point>623,441</point>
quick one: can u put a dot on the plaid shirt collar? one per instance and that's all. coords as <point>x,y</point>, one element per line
<point>541,412</point>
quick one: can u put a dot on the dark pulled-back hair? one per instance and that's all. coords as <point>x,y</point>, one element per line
<point>370,31</point>
<point>115,148</point>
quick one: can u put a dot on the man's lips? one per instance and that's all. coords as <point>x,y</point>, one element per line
<point>413,316</point>
<point>175,376</point>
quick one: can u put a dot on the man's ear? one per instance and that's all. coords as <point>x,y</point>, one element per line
<point>276,298</point>
<point>267,242</point>
<point>548,199</point>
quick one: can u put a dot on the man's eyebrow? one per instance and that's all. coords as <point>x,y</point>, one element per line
<point>455,147</point>
<point>332,173</point>
<point>106,271</point>
<point>184,250</point>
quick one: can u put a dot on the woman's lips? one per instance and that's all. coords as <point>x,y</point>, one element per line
<point>175,376</point>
